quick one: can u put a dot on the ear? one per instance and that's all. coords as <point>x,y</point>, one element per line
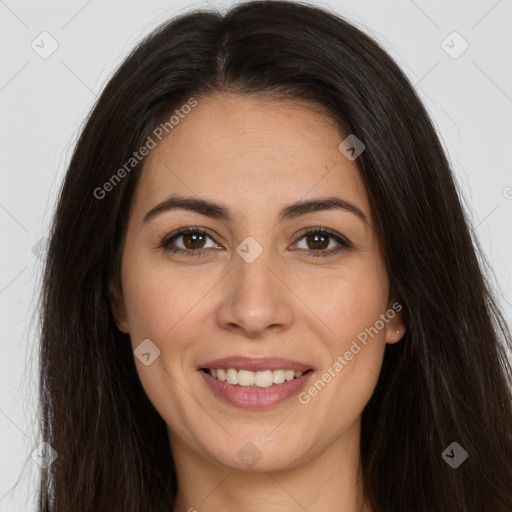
<point>396,326</point>
<point>117,305</point>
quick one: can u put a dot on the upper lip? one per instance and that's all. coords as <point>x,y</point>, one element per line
<point>255,364</point>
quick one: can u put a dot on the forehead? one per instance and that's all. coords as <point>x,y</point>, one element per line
<point>250,151</point>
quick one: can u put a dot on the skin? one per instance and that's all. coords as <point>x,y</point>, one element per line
<point>255,156</point>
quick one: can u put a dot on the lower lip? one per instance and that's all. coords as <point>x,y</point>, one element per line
<point>255,397</point>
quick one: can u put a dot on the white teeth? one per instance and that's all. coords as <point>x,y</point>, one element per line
<point>245,378</point>
<point>262,379</point>
<point>278,376</point>
<point>289,374</point>
<point>232,376</point>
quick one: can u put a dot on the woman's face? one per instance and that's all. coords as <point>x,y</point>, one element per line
<point>247,282</point>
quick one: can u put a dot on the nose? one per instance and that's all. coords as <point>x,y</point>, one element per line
<point>256,297</point>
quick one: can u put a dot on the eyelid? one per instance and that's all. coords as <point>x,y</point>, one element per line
<point>333,234</point>
<point>183,231</point>
<point>343,243</point>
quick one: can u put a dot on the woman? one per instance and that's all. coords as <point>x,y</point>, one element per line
<point>261,290</point>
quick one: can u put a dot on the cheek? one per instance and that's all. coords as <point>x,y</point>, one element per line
<point>350,303</point>
<point>150,308</point>
<point>349,300</point>
<point>159,308</point>
<point>159,301</point>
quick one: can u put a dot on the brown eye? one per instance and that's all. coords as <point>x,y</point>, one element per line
<point>193,240</point>
<point>189,241</point>
<point>317,241</point>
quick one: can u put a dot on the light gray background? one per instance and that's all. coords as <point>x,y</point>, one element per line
<point>43,103</point>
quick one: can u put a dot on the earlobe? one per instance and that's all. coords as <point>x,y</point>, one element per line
<point>117,307</point>
<point>122,326</point>
<point>394,336</point>
<point>396,326</point>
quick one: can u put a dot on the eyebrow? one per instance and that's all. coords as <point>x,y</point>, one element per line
<point>220,212</point>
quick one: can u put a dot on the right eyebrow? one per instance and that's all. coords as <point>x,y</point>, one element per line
<point>201,206</point>
<point>220,212</point>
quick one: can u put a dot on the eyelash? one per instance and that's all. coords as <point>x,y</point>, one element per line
<point>343,244</point>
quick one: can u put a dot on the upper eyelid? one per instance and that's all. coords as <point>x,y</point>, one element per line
<point>301,234</point>
<point>186,230</point>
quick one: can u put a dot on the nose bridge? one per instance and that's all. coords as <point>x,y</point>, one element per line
<point>256,296</point>
<point>252,265</point>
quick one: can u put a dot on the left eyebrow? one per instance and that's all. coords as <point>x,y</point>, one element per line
<point>295,210</point>
<point>220,212</point>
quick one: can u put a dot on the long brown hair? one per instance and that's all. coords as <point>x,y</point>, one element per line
<point>447,381</point>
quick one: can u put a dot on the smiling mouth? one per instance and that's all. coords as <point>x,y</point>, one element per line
<point>247,378</point>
